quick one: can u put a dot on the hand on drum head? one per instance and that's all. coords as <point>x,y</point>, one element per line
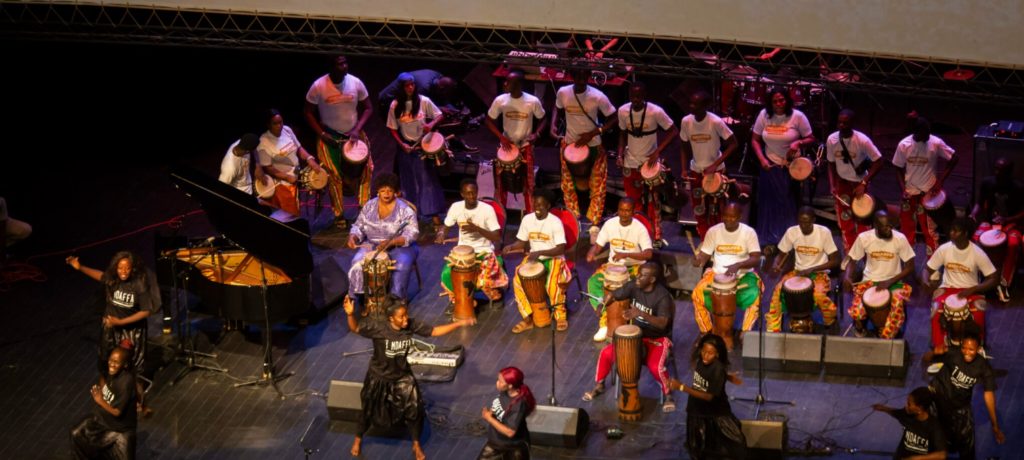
<point>351,243</point>
<point>584,139</point>
<point>630,313</point>
<point>964,294</point>
<point>532,256</point>
<point>732,269</point>
<point>885,284</point>
<point>859,190</point>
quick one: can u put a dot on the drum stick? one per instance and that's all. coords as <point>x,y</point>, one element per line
<point>841,201</point>
<point>450,240</point>
<point>689,239</point>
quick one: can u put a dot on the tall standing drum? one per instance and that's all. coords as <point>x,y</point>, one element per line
<point>653,175</point>
<point>532,276</point>
<point>878,304</point>
<point>799,294</point>
<point>723,306</point>
<point>940,209</point>
<point>615,276</point>
<point>579,161</point>
<point>377,269</point>
<point>628,347</point>
<point>465,271</point>
<point>713,184</point>
<point>994,243</point>
<point>510,169</point>
<point>355,154</point>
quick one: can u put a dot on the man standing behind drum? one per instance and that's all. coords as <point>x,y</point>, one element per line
<point>853,160</point>
<point>736,252</point>
<point>961,261</point>
<point>478,229</point>
<point>1000,203</point>
<point>639,121</point>
<point>581,103</point>
<point>917,155</point>
<point>890,259</point>
<point>814,254</point>
<point>652,309</point>
<point>629,245</point>
<point>702,133</point>
<point>517,110</point>
<point>542,237</point>
<point>332,111</point>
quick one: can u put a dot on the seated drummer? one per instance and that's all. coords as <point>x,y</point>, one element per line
<point>890,259</point>
<point>999,204</point>
<point>629,245</point>
<point>735,249</point>
<point>961,261</point>
<point>815,254</point>
<point>378,220</point>
<point>542,238</point>
<point>478,228</point>
<point>652,309</point>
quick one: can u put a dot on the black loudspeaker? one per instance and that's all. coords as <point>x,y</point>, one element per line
<point>866,357</point>
<point>558,426</point>
<point>677,270</point>
<point>784,352</point>
<point>343,403</point>
<point>765,438</point>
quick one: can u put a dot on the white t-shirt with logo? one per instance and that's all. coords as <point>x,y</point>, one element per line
<point>517,114</point>
<point>638,149</point>
<point>919,160</point>
<point>411,128</point>
<point>861,149</point>
<point>885,257</point>
<point>279,152</point>
<point>542,234</point>
<point>728,248</point>
<point>482,215</point>
<point>631,238</point>
<point>961,266</point>
<point>779,131</point>
<point>337,103</point>
<point>576,121</point>
<point>234,170</point>
<point>810,250</point>
<point>705,138</point>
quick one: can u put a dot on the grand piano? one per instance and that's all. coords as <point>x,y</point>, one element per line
<point>228,279</point>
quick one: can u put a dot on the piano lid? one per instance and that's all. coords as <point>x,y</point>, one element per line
<point>240,218</point>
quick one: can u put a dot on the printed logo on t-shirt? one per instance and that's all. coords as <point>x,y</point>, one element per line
<point>808,250</point>
<point>539,236</point>
<point>340,98</point>
<point>123,299</point>
<point>394,348</point>
<point>957,268</point>
<point>699,383</point>
<point>776,129</point>
<point>882,255</point>
<point>573,110</point>
<point>729,249</point>
<point>643,308</point>
<point>915,443</point>
<point>497,410</point>
<point>516,115</point>
<point>700,138</point>
<point>108,395</point>
<point>286,149</point>
<point>918,160</point>
<point>406,118</point>
<point>961,380</point>
<point>620,243</point>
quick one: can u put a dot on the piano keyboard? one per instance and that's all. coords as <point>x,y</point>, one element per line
<point>433,359</point>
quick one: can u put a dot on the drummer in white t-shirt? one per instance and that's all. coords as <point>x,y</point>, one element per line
<point>702,133</point>
<point>814,253</point>
<point>518,110</point>
<point>890,259</point>
<point>629,245</point>
<point>735,249</point>
<point>639,122</point>
<point>853,160</point>
<point>542,236</point>
<point>961,262</point>
<point>236,168</point>
<point>479,229</point>
<point>584,107</point>
<point>918,155</point>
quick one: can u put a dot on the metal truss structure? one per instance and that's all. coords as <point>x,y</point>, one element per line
<point>677,57</point>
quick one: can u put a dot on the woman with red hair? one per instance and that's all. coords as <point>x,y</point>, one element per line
<point>507,436</point>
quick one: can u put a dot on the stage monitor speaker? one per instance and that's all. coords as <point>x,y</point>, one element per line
<point>558,426</point>
<point>784,352</point>
<point>765,438</point>
<point>678,271</point>
<point>866,357</point>
<point>344,406</point>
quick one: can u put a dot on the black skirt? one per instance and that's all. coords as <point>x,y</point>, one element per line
<point>519,451</point>
<point>715,437</point>
<point>387,403</point>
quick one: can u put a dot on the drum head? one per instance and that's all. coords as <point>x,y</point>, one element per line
<point>382,256</point>
<point>801,168</point>
<point>712,182</point>
<point>616,274</point>
<point>508,155</point>
<point>356,151</point>
<point>955,308</point>
<point>627,330</point>
<point>574,154</point>
<point>875,297</point>
<point>649,171</point>
<point>462,249</point>
<point>798,284</point>
<point>993,238</point>
<point>316,180</point>
<point>530,269</point>
<point>265,187</point>
<point>432,142</point>
<point>863,206</point>
<point>933,201</point>
<point>725,280</point>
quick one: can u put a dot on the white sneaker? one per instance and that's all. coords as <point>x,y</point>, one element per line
<point>601,335</point>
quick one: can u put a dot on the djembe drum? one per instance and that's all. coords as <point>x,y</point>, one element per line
<point>377,281</point>
<point>579,162</point>
<point>532,276</point>
<point>628,355</point>
<point>800,168</point>
<point>510,169</point>
<point>465,271</point>
<point>878,304</point>
<point>799,294</point>
<point>723,306</point>
<point>615,276</point>
<point>956,314</point>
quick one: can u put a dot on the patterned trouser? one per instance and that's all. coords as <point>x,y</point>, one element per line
<point>912,214</point>
<point>748,298</point>
<point>975,305</point>
<point>595,287</point>
<point>598,178</point>
<point>492,276</point>
<point>558,277</point>
<point>849,225</point>
<point>822,286</point>
<point>647,200</point>
<point>900,293</point>
<point>502,194</point>
<point>330,157</point>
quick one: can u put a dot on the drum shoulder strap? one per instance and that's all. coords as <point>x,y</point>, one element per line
<point>584,109</point>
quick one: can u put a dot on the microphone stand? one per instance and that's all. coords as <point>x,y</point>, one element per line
<point>267,377</point>
<point>551,399</point>
<point>186,340</point>
<point>759,400</point>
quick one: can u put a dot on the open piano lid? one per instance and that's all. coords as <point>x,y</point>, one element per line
<point>240,218</point>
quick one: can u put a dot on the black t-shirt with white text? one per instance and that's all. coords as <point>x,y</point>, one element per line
<point>119,392</point>
<point>920,437</point>
<point>658,303</point>
<point>955,382</point>
<point>511,414</point>
<point>709,379</point>
<point>132,296</point>
<point>390,346</point>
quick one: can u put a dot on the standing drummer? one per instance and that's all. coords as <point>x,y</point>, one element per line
<point>961,261</point>
<point>478,229</point>
<point>639,122</point>
<point>583,106</point>
<point>332,111</point>
<point>542,236</point>
<point>629,245</point>
<point>411,117</point>
<point>814,254</point>
<point>1000,203</point>
<point>735,249</point>
<point>917,155</point>
<point>517,110</point>
<point>853,160</point>
<point>702,133</point>
<point>890,259</point>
